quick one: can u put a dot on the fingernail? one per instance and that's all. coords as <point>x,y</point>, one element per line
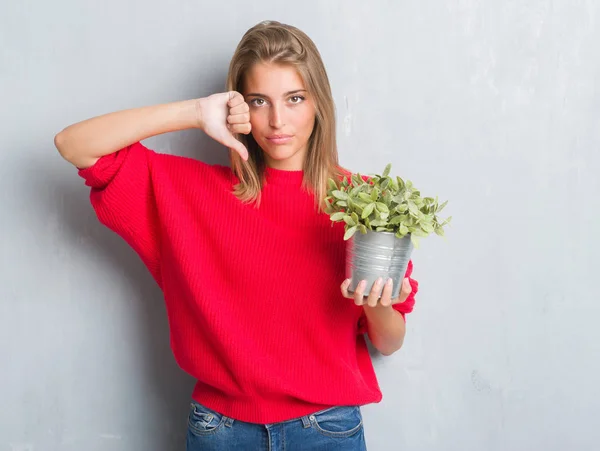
<point>379,281</point>
<point>362,283</point>
<point>389,281</point>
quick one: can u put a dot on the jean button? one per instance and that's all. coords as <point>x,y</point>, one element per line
<point>312,418</point>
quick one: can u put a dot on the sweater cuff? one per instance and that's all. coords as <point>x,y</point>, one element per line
<point>101,173</point>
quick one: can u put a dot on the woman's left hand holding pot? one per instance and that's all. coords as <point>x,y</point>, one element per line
<point>371,299</point>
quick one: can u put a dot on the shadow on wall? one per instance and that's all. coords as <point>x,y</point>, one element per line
<point>56,191</point>
<point>55,202</point>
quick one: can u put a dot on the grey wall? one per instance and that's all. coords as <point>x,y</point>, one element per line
<point>493,105</point>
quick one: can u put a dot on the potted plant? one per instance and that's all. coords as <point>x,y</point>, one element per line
<point>390,215</point>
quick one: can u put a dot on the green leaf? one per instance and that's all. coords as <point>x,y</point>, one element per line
<point>381,229</point>
<point>368,210</point>
<point>365,197</point>
<point>420,232</point>
<point>348,220</point>
<point>427,227</point>
<point>387,170</point>
<point>354,217</point>
<point>341,203</point>
<point>363,228</point>
<point>402,208</point>
<point>439,231</point>
<point>361,202</point>
<point>378,222</point>
<point>340,194</point>
<point>395,220</point>
<point>401,183</point>
<point>385,183</point>
<point>393,184</point>
<point>375,194</point>
<point>338,216</point>
<point>403,229</point>
<point>447,221</point>
<point>349,232</point>
<point>415,241</point>
<point>441,207</point>
<point>331,184</point>
<point>399,198</point>
<point>387,198</point>
<point>413,209</point>
<point>426,219</point>
<point>382,207</point>
<point>364,187</point>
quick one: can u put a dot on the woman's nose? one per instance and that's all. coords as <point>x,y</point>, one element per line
<point>275,119</point>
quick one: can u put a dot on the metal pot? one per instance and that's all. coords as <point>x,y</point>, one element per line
<point>377,254</point>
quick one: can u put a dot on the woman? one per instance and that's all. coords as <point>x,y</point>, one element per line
<point>246,257</point>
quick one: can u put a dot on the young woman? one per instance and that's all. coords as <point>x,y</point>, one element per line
<point>248,261</point>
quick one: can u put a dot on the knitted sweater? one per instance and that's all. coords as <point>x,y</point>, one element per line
<point>252,295</point>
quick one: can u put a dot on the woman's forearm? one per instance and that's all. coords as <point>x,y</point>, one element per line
<point>83,143</point>
<point>386,328</point>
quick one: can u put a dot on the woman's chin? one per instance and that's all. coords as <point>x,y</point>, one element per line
<point>279,153</point>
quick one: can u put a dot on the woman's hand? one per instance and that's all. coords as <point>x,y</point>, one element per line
<point>371,299</point>
<point>223,114</point>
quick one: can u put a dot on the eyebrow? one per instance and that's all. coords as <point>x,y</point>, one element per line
<point>258,94</point>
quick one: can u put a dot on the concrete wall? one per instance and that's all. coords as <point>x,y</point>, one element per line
<point>493,105</point>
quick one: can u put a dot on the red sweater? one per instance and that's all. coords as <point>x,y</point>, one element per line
<point>252,295</point>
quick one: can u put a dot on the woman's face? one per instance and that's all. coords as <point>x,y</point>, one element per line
<point>282,114</point>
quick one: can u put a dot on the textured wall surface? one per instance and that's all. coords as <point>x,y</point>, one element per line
<point>492,105</point>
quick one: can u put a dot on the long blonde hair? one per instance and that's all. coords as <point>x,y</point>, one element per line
<point>274,42</point>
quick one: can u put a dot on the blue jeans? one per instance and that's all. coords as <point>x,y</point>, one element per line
<point>336,428</point>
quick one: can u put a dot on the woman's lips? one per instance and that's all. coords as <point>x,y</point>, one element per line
<point>279,139</point>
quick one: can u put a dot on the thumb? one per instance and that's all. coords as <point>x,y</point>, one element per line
<point>237,146</point>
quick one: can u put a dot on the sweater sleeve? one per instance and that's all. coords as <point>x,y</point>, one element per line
<point>403,307</point>
<point>122,197</point>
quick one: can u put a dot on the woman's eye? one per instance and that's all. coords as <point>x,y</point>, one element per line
<point>296,99</point>
<point>258,102</point>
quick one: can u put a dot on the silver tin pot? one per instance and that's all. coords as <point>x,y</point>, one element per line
<point>377,254</point>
